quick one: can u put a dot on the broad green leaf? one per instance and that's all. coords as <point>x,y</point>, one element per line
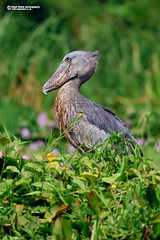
<point>83,191</point>
<point>21,221</point>
<point>79,183</point>
<point>78,225</point>
<point>9,181</point>
<point>19,209</point>
<point>132,172</point>
<point>70,173</point>
<point>37,184</point>
<point>66,229</point>
<point>94,203</point>
<point>104,215</point>
<point>4,140</point>
<point>49,216</point>
<point>86,229</point>
<point>87,162</point>
<point>156,229</point>
<point>3,187</point>
<point>90,176</point>
<point>155,219</point>
<point>82,179</point>
<point>12,169</point>
<point>23,180</point>
<point>151,196</point>
<point>34,167</point>
<point>45,185</point>
<point>111,179</point>
<point>57,230</point>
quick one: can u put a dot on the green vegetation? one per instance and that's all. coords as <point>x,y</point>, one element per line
<point>90,196</point>
<point>106,195</point>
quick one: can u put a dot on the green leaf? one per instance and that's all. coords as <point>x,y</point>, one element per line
<point>86,229</point>
<point>87,162</point>
<point>79,183</point>
<point>66,229</point>
<point>21,221</point>
<point>49,216</point>
<point>4,140</point>
<point>151,196</point>
<point>33,193</point>
<point>23,180</point>
<point>132,172</point>
<point>94,203</point>
<point>111,179</point>
<point>3,187</point>
<point>33,167</point>
<point>12,169</point>
<point>155,219</point>
<point>156,228</point>
<point>19,209</point>
<point>90,176</point>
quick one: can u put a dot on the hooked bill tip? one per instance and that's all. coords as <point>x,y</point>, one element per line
<point>44,90</point>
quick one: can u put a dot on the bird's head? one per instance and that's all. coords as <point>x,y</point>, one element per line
<point>75,65</point>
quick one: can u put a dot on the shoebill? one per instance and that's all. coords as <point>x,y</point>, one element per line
<point>95,121</point>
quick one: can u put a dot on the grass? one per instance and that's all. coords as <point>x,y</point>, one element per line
<point>106,195</point>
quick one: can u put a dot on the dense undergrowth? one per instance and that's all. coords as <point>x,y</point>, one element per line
<point>106,195</point>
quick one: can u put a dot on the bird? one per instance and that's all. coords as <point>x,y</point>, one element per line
<point>85,123</point>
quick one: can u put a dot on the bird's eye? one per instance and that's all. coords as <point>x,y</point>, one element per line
<point>68,59</point>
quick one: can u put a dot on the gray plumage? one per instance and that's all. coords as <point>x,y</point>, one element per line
<point>96,121</point>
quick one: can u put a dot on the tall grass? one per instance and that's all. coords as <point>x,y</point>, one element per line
<point>105,195</point>
<point>127,36</point>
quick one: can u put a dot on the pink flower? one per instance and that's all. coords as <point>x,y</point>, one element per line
<point>141,141</point>
<point>55,151</point>
<point>35,145</point>
<point>25,133</point>
<point>25,156</point>
<point>0,153</point>
<point>42,119</point>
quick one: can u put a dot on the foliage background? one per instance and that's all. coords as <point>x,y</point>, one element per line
<point>127,35</point>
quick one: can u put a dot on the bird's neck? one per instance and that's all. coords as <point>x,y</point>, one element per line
<point>73,85</point>
<point>70,90</point>
<point>66,101</point>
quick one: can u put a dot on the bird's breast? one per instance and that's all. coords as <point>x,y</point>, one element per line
<point>65,109</point>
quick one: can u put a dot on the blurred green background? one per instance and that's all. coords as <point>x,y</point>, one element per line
<point>33,43</point>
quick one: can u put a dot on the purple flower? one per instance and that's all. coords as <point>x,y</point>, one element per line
<point>42,119</point>
<point>35,145</point>
<point>62,163</point>
<point>141,141</point>
<point>158,146</point>
<point>27,157</point>
<point>128,122</point>
<point>25,133</point>
<point>0,153</point>
<point>55,151</point>
<point>71,148</point>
